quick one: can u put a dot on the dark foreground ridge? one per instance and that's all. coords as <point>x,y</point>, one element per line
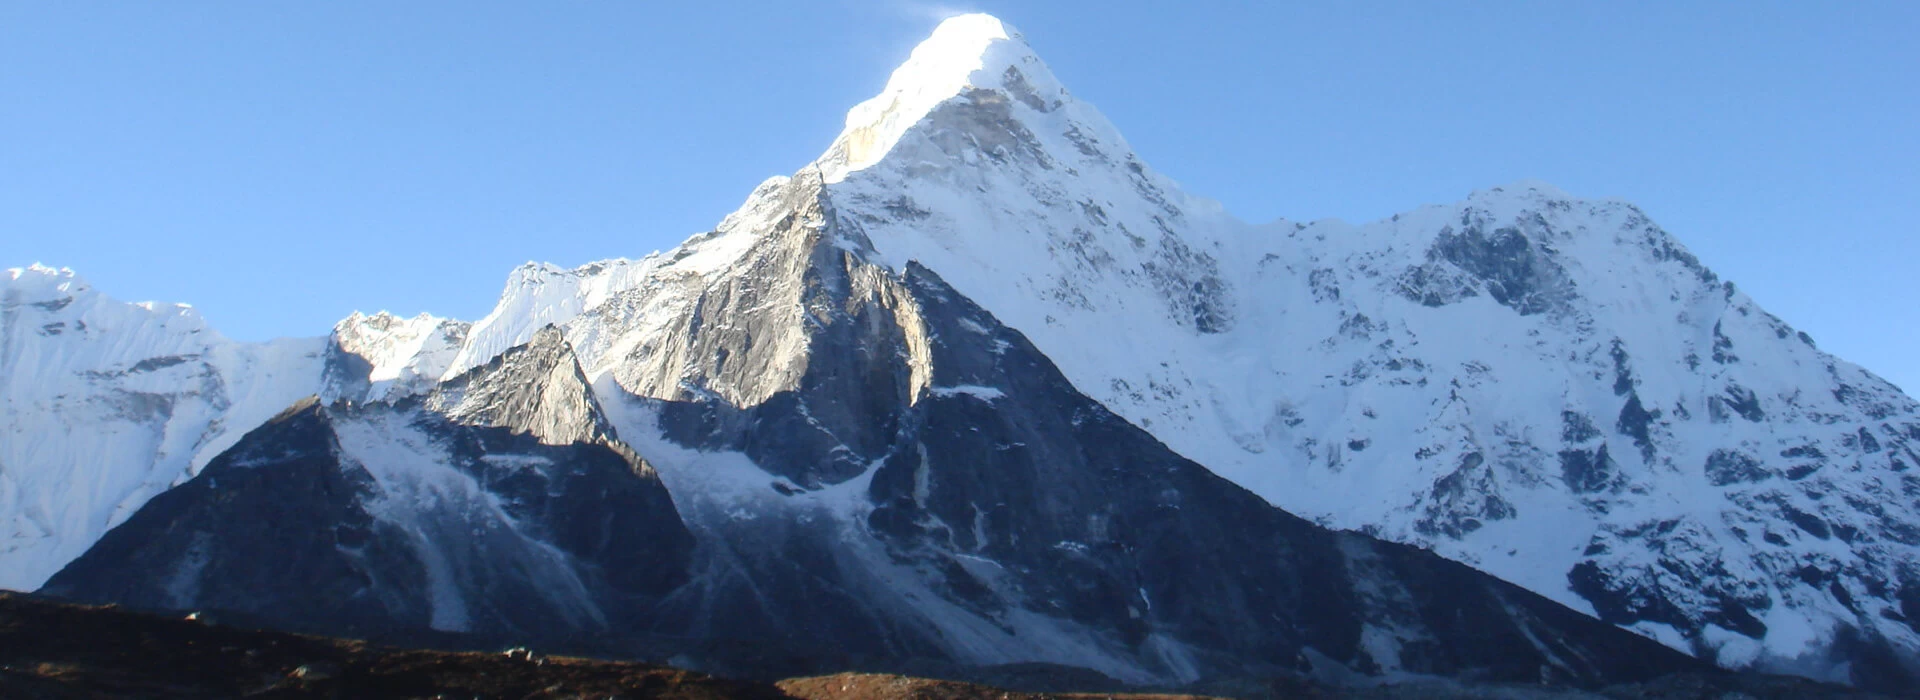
<point>51,649</point>
<point>56,650</point>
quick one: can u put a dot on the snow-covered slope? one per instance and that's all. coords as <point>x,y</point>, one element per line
<point>108,403</point>
<point>104,404</point>
<point>1558,393</point>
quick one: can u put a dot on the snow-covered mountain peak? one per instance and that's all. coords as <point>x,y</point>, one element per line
<point>45,289</point>
<point>40,278</point>
<point>405,355</point>
<point>1527,381</point>
<point>61,291</point>
<point>964,53</point>
<point>541,294</point>
<point>976,162</point>
<point>385,320</point>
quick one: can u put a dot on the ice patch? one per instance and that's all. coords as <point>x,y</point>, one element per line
<point>983,393</point>
<point>516,461</point>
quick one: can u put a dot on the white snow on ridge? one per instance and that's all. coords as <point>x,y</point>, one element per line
<point>538,295</point>
<point>105,404</point>
<point>407,355</point>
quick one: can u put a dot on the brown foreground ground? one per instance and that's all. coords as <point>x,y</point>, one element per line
<point>873,686</point>
<point>56,650</point>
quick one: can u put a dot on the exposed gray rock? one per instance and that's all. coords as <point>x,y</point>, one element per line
<point>536,388</point>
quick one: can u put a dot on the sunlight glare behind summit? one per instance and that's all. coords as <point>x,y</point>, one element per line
<point>968,51</point>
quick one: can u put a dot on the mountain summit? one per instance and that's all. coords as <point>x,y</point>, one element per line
<point>980,387</point>
<point>965,53</point>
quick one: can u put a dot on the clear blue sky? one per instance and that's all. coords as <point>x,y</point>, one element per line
<point>282,164</point>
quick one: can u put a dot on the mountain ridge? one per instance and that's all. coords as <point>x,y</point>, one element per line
<point>908,480</point>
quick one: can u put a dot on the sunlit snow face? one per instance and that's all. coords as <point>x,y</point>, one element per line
<point>969,50</point>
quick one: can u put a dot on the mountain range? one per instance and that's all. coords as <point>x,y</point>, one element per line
<point>978,388</point>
